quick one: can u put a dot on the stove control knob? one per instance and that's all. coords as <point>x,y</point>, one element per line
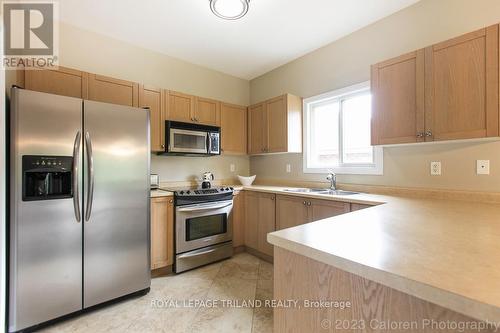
<point>227,188</point>
<point>181,192</point>
<point>231,188</point>
<point>188,192</point>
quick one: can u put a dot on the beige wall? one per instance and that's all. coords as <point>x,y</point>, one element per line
<point>347,62</point>
<point>96,53</point>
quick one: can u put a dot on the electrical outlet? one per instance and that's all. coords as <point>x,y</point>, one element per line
<point>483,167</point>
<point>435,168</point>
<point>288,168</point>
<point>232,168</point>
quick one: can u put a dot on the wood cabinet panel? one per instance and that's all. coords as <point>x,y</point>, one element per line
<point>267,222</point>
<point>291,211</point>
<point>234,129</point>
<point>114,91</point>
<point>152,98</point>
<point>251,219</point>
<point>180,107</point>
<point>322,209</point>
<point>257,129</point>
<point>239,219</point>
<point>162,232</point>
<point>277,124</point>
<point>398,99</point>
<point>63,81</point>
<point>207,111</point>
<point>260,219</point>
<point>462,87</point>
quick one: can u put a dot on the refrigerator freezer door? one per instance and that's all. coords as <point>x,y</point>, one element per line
<point>45,275</point>
<point>116,205</point>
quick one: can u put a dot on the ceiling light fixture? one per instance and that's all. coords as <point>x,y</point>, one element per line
<point>229,9</point>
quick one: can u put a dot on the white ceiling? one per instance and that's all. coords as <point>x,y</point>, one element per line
<point>273,33</point>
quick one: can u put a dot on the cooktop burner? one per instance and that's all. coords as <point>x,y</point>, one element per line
<point>193,196</point>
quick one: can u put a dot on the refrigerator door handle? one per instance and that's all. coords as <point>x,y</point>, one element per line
<point>76,190</point>
<point>90,178</point>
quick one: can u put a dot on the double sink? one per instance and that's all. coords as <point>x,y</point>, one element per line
<point>319,191</point>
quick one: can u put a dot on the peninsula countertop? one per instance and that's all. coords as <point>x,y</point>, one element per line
<point>443,251</point>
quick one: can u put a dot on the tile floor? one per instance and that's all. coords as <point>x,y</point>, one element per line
<point>241,278</point>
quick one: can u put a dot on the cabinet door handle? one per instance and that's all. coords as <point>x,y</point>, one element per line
<point>304,203</point>
<point>420,135</point>
<point>163,146</point>
<point>428,133</point>
<point>309,203</point>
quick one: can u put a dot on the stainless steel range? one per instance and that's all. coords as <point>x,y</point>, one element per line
<point>204,226</point>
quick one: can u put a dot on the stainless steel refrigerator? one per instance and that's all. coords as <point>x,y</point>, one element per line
<point>79,205</point>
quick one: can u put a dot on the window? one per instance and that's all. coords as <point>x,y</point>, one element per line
<point>337,133</point>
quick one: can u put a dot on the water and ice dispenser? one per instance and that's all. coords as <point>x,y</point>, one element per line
<point>47,177</point>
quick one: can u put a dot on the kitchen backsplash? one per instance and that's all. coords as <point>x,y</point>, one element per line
<point>181,168</point>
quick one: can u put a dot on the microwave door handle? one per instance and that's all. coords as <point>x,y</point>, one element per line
<point>209,143</point>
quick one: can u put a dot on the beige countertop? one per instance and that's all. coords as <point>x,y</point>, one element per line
<point>443,251</point>
<point>161,193</point>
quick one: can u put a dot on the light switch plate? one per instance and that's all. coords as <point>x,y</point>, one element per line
<point>483,167</point>
<point>435,168</point>
<point>288,168</point>
<point>232,168</point>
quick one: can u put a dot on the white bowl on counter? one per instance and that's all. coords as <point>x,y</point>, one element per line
<point>246,181</point>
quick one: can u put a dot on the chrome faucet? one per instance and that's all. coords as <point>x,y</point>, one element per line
<point>332,177</point>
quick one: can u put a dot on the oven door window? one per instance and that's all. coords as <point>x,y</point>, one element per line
<point>205,226</point>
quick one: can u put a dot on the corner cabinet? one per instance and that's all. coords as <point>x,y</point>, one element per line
<point>162,232</point>
<point>447,91</point>
<point>292,211</point>
<point>275,126</point>
<point>233,129</point>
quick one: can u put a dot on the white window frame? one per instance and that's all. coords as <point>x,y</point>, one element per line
<point>377,168</point>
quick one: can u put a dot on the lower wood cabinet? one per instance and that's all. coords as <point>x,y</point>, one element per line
<point>162,232</point>
<point>260,219</point>
<point>238,218</point>
<point>292,211</point>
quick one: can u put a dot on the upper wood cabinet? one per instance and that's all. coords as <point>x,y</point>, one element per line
<point>62,81</point>
<point>152,98</point>
<point>275,126</point>
<point>448,91</point>
<point>257,129</point>
<point>461,82</point>
<point>292,211</point>
<point>110,90</point>
<point>260,219</point>
<point>162,232</point>
<point>179,107</point>
<point>191,109</point>
<point>206,111</point>
<point>233,129</point>
<point>398,100</point>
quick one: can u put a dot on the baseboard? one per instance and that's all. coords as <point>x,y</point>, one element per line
<point>259,254</point>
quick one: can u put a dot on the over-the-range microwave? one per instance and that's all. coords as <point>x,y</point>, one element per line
<point>191,139</point>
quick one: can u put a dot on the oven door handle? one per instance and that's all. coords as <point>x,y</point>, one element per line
<point>195,254</point>
<point>200,207</point>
